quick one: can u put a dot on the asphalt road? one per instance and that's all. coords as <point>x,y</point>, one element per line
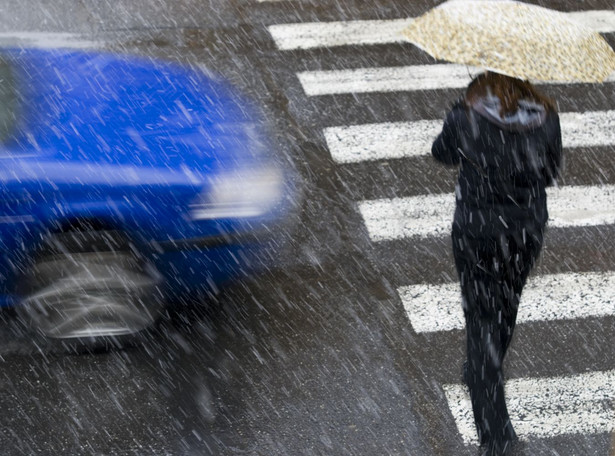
<point>317,356</point>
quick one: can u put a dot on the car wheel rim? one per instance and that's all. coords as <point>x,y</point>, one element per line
<point>93,294</point>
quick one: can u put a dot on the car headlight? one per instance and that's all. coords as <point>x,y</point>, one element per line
<point>245,193</point>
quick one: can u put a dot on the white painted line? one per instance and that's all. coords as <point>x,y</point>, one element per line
<point>384,141</point>
<point>432,215</point>
<point>587,129</point>
<point>381,141</point>
<point>418,216</point>
<point>308,35</point>
<point>546,407</point>
<point>329,34</point>
<point>386,79</point>
<point>432,308</point>
<point>390,79</point>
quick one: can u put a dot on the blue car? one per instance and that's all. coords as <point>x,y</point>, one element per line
<point>125,181</point>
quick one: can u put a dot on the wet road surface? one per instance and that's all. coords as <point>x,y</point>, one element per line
<point>318,356</point>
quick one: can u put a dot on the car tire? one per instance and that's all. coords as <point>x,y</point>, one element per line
<point>89,290</point>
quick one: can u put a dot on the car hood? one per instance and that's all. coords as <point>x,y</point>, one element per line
<point>75,106</point>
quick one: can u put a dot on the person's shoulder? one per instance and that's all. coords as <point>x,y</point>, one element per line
<point>459,105</point>
<point>457,109</point>
<point>458,113</point>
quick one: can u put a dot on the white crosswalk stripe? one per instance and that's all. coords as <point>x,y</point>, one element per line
<point>386,79</point>
<point>383,141</point>
<point>390,79</point>
<point>310,35</point>
<point>433,308</point>
<point>331,34</point>
<point>546,407</point>
<point>543,407</point>
<point>432,215</point>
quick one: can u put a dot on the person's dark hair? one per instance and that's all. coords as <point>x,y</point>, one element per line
<point>509,90</point>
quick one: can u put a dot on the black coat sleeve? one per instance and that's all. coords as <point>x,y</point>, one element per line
<point>554,149</point>
<point>445,148</point>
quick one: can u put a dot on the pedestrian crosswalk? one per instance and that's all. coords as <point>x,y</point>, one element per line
<point>540,407</point>
<point>350,33</point>
<point>437,307</point>
<point>547,407</point>
<point>389,79</point>
<point>331,34</point>
<point>358,143</point>
<point>431,215</point>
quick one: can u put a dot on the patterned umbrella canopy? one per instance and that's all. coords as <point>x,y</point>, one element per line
<point>513,38</point>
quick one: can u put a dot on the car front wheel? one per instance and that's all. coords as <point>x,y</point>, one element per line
<point>88,287</point>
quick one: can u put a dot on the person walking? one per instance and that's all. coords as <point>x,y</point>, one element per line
<point>505,137</point>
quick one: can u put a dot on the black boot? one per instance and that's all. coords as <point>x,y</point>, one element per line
<point>500,446</point>
<point>497,448</point>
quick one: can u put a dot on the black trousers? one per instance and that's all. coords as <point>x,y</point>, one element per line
<point>492,272</point>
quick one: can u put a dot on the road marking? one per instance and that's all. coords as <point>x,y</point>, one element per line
<point>391,79</point>
<point>431,308</point>
<point>383,141</point>
<point>330,34</point>
<point>309,35</point>
<point>386,79</point>
<point>546,407</point>
<point>432,215</point>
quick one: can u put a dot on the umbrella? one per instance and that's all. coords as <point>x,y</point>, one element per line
<point>514,38</point>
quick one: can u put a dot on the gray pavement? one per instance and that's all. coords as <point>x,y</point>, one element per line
<point>316,357</point>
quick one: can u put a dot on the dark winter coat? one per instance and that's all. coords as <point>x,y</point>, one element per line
<point>505,165</point>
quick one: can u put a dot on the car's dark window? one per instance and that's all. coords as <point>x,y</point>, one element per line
<point>8,100</point>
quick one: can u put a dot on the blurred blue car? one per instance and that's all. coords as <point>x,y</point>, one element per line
<point>125,181</point>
